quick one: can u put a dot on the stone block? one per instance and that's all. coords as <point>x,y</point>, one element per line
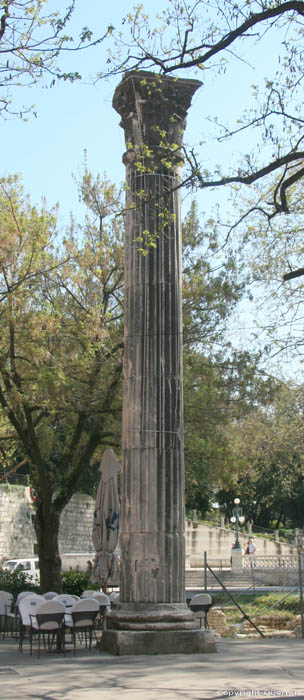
<point>123,643</point>
<point>217,621</point>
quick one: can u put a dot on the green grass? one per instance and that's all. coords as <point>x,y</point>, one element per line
<point>258,605</point>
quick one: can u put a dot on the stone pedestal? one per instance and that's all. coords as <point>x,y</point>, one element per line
<point>236,560</point>
<point>152,589</point>
<point>146,628</point>
<point>123,642</point>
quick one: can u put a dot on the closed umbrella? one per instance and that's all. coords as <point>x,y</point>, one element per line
<point>106,520</point>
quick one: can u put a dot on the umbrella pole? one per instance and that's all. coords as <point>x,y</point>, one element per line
<point>105,588</point>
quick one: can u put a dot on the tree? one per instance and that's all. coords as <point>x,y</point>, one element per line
<point>220,385</point>
<point>267,450</point>
<point>32,41</point>
<point>220,392</point>
<point>212,282</point>
<point>60,347</point>
<point>197,40</point>
<point>61,350</point>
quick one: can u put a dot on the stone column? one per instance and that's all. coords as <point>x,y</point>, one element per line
<point>152,589</point>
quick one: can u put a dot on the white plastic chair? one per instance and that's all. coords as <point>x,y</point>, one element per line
<point>89,594</point>
<point>67,600</point>
<point>81,619</point>
<point>6,602</point>
<point>102,598</point>
<point>13,615</point>
<point>114,598</point>
<point>200,604</point>
<point>48,618</point>
<point>104,606</point>
<point>27,608</point>
<point>49,595</point>
<point>23,594</point>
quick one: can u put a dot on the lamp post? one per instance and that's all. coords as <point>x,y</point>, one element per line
<point>238,519</point>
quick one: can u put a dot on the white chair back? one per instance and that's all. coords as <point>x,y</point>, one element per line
<point>114,598</point>
<point>50,595</point>
<point>201,599</point>
<point>6,600</point>
<point>89,594</point>
<point>49,608</point>
<point>67,600</point>
<point>102,598</point>
<point>23,594</point>
<point>27,607</point>
<point>82,606</point>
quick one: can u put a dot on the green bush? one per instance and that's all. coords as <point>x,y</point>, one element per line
<point>16,582</point>
<point>76,582</point>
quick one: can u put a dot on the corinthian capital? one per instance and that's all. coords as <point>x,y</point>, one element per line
<point>153,111</point>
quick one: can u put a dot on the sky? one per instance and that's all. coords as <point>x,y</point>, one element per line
<point>76,118</point>
<point>73,118</point>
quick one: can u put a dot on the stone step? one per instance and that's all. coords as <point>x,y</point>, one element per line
<point>195,578</point>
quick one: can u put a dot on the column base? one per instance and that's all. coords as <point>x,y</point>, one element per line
<point>152,617</point>
<point>126,642</point>
<point>155,628</point>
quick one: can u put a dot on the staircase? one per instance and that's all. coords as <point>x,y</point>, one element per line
<point>195,579</point>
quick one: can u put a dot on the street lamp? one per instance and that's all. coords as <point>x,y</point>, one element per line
<point>237,518</point>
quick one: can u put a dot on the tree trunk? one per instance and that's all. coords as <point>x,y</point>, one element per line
<point>47,522</point>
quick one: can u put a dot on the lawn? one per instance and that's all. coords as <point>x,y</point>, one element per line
<point>258,605</point>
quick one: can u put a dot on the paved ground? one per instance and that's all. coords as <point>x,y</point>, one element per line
<point>246,668</point>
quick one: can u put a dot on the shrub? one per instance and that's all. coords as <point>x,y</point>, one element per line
<point>16,582</point>
<point>76,582</point>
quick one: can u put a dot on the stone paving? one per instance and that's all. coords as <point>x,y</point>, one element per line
<point>248,668</point>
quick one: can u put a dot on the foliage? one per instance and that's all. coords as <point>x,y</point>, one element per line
<point>211,289</point>
<point>60,348</point>
<point>16,582</point>
<point>267,448</point>
<point>205,439</point>
<point>32,40</point>
<point>76,582</point>
<point>210,292</point>
<point>212,282</point>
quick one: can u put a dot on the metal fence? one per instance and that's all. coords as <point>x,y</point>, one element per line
<point>283,573</point>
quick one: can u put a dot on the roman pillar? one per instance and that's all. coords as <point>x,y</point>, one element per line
<point>152,590</point>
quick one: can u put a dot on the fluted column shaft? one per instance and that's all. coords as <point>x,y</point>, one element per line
<point>153,114</point>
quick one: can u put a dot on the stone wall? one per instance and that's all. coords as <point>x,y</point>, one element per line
<point>17,534</point>
<point>75,534</point>
<point>217,541</point>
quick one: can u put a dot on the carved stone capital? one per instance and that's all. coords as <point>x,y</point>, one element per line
<point>153,111</point>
